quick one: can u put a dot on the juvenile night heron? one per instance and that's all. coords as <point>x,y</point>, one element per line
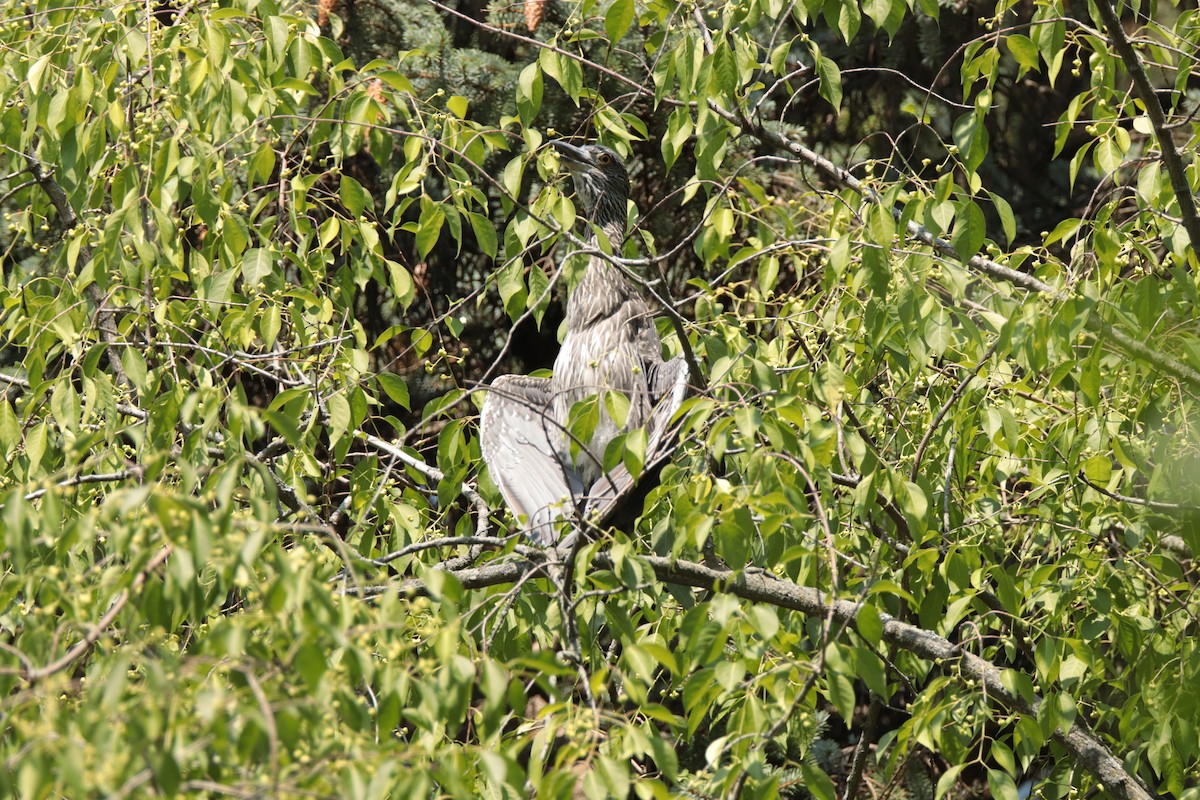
<point>611,345</point>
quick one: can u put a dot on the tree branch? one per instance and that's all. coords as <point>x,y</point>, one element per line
<point>93,636</point>
<point>106,321</point>
<point>859,761</point>
<point>79,480</point>
<point>759,587</point>
<point>1158,121</point>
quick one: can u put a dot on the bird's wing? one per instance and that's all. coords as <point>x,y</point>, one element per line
<point>668,387</point>
<point>514,435</point>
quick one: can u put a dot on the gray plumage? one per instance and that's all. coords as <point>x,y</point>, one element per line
<point>611,344</point>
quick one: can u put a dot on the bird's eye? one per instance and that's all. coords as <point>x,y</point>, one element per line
<point>605,159</point>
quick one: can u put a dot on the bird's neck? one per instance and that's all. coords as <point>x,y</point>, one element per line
<point>603,289</point>
<point>614,230</point>
<point>601,292</point>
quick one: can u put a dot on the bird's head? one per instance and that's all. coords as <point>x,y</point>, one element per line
<point>601,182</point>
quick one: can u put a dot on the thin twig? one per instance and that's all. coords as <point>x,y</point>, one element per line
<point>79,480</point>
<point>79,650</point>
<point>1157,505</point>
<point>945,409</point>
<point>105,318</point>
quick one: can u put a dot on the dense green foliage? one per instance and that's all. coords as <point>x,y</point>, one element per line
<point>260,256</point>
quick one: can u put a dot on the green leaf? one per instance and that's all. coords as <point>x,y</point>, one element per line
<point>353,196</point>
<point>869,623</point>
<point>429,229</point>
<point>633,454</point>
<point>1098,469</point>
<point>538,299</point>
<point>939,331</point>
<point>402,283</point>
<point>311,664</point>
<point>269,324</point>
<point>329,231</point>
<point>284,425</point>
<point>510,280</point>
<point>1002,785</point>
<point>878,11</point>
<point>1003,756</point>
<point>135,367</point>
<point>395,80</point>
<point>339,416</point>
<point>457,105</point>
<point>830,383</point>
<point>817,782</point>
<point>722,221</point>
<point>948,780</point>
<point>1018,683</point>
<point>725,72</point>
<point>1007,220</point>
<point>1024,51</point>
<point>840,692</point>
<point>970,230</point>
<point>35,445</point>
<point>277,38</point>
<point>1050,39</point>
<point>262,165</point>
<point>914,501</point>
<point>971,138</point>
<point>36,72</point>
<point>871,669</point>
<point>485,233</point>
<point>844,16</point>
<point>617,19</point>
<point>257,264</point>
<point>679,130</point>
<point>514,171</point>
<point>10,428</point>
<point>394,387</point>
<point>1063,230</point>
<point>830,78</point>
<point>529,93</point>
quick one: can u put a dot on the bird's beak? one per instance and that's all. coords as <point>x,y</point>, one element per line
<point>574,158</point>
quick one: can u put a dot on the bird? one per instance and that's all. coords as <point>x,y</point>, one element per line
<point>611,345</point>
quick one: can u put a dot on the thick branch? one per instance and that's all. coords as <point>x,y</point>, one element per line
<point>1085,748</point>
<point>1158,121</point>
<point>1088,751</point>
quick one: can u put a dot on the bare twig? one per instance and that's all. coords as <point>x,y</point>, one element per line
<point>79,480</point>
<point>1157,505</point>
<point>860,750</point>
<point>429,471</point>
